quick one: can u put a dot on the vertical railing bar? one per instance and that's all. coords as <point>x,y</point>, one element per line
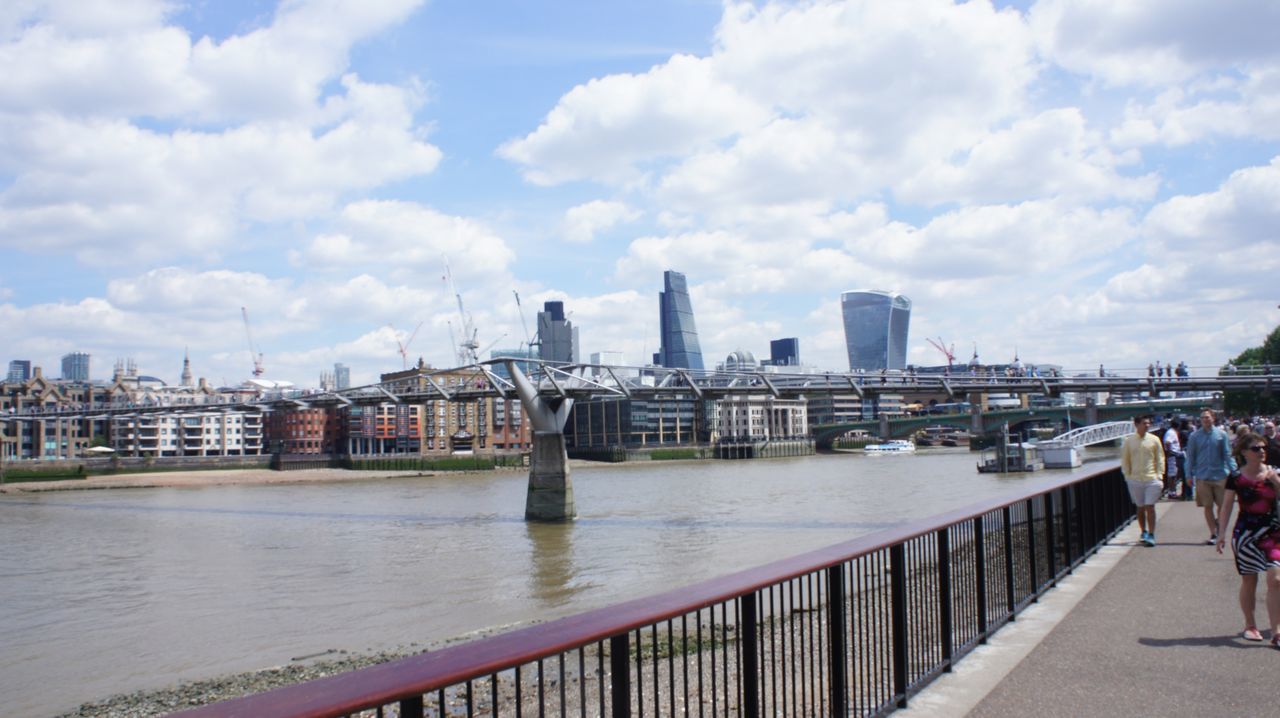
<point>835,639</point>
<point>657,687</point>
<point>724,651</point>
<point>684,656</point>
<point>1010,598</point>
<point>897,592</point>
<point>671,665</point>
<point>1050,539</point>
<point>944,594</point>
<point>582,682</point>
<point>600,672</point>
<point>470,699</point>
<point>715,703</point>
<point>1033,569</point>
<point>620,674</point>
<point>542,692</point>
<point>412,706</point>
<point>698,626</point>
<point>750,660</point>
<point>773,650</point>
<point>639,691</point>
<point>980,572</point>
<point>563,688</point>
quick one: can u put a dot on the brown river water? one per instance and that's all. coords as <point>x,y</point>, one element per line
<point>105,592</point>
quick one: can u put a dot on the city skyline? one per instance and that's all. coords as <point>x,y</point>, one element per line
<point>1077,183</point>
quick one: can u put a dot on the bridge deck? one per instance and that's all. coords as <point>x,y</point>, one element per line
<point>1158,635</point>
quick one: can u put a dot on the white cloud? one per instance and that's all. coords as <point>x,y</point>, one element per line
<point>581,223</point>
<point>1052,155</point>
<point>1154,41</point>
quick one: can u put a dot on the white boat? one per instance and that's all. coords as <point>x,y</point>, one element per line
<point>894,446</point>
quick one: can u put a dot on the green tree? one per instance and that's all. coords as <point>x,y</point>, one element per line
<point>1253,402</point>
<point>1268,353</point>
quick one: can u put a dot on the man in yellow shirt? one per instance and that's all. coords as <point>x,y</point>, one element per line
<point>1142,463</point>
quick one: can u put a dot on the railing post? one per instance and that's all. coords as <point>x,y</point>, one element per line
<point>412,706</point>
<point>898,602</point>
<point>836,618</point>
<point>980,572</point>
<point>1009,583</point>
<point>750,647</point>
<point>944,594</point>
<point>620,675</point>
<point>1050,540</point>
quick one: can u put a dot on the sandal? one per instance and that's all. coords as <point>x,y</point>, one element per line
<point>1252,634</point>
<point>1275,642</point>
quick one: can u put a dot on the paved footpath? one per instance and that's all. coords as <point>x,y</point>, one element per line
<point>1135,632</point>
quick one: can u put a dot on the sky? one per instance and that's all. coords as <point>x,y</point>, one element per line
<point>1075,182</point>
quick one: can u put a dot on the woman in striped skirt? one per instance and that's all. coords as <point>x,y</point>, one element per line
<point>1256,538</point>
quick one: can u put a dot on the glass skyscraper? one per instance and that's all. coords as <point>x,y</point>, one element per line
<point>680,346</point>
<point>75,366</point>
<point>558,335</point>
<point>875,329</point>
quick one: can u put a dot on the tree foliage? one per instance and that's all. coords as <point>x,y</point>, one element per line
<point>1268,353</point>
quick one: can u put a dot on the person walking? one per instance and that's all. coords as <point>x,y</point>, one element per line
<point>1273,444</point>
<point>1142,463</point>
<point>1208,463</point>
<point>1172,459</point>
<point>1255,541</point>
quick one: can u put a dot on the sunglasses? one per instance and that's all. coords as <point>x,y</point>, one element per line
<point>1259,447</point>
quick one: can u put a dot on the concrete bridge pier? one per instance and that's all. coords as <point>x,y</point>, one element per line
<point>550,493</point>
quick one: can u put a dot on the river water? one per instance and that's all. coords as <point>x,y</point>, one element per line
<point>104,592</point>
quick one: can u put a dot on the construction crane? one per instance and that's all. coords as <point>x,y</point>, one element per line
<point>468,346</point>
<point>529,343</point>
<point>949,353</point>
<point>404,345</point>
<point>254,354</point>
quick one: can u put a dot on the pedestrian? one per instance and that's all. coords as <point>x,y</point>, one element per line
<point>1151,371</point>
<point>1172,458</point>
<point>1209,463</point>
<point>1142,463</point>
<point>1168,370</point>
<point>1273,443</point>
<point>1102,373</point>
<point>1255,540</point>
<point>1184,433</point>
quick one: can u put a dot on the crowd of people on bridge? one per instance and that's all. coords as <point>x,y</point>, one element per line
<point>1223,465</point>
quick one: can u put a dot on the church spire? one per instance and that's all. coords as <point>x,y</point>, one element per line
<point>186,367</point>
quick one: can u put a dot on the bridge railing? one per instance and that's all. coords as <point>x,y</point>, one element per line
<point>851,629</point>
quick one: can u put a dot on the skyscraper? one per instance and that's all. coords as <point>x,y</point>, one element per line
<point>680,346</point>
<point>875,329</point>
<point>558,335</point>
<point>785,352</point>
<point>75,366</point>
<point>341,376</point>
<point>19,370</point>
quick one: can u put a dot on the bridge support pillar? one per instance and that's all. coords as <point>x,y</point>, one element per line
<point>1090,412</point>
<point>884,427</point>
<point>550,493</point>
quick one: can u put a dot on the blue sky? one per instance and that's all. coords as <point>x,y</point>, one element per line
<point>1077,181</point>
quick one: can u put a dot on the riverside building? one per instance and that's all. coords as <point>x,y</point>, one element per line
<point>875,329</point>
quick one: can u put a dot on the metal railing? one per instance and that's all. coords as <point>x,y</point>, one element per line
<point>851,629</point>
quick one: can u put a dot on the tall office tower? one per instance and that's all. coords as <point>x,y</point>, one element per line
<point>19,371</point>
<point>187,380</point>
<point>75,367</point>
<point>558,335</point>
<point>341,376</point>
<point>875,329</point>
<point>680,346</point>
<point>785,352</point>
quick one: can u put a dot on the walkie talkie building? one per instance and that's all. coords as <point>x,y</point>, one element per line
<point>875,329</point>
<point>680,346</point>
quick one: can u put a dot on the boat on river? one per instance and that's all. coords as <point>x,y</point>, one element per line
<point>893,446</point>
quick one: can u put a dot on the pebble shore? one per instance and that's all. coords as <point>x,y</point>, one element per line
<point>144,704</point>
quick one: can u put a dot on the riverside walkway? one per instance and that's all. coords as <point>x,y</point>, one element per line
<point>1134,632</point>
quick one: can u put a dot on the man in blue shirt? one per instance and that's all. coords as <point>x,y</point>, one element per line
<point>1208,462</point>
